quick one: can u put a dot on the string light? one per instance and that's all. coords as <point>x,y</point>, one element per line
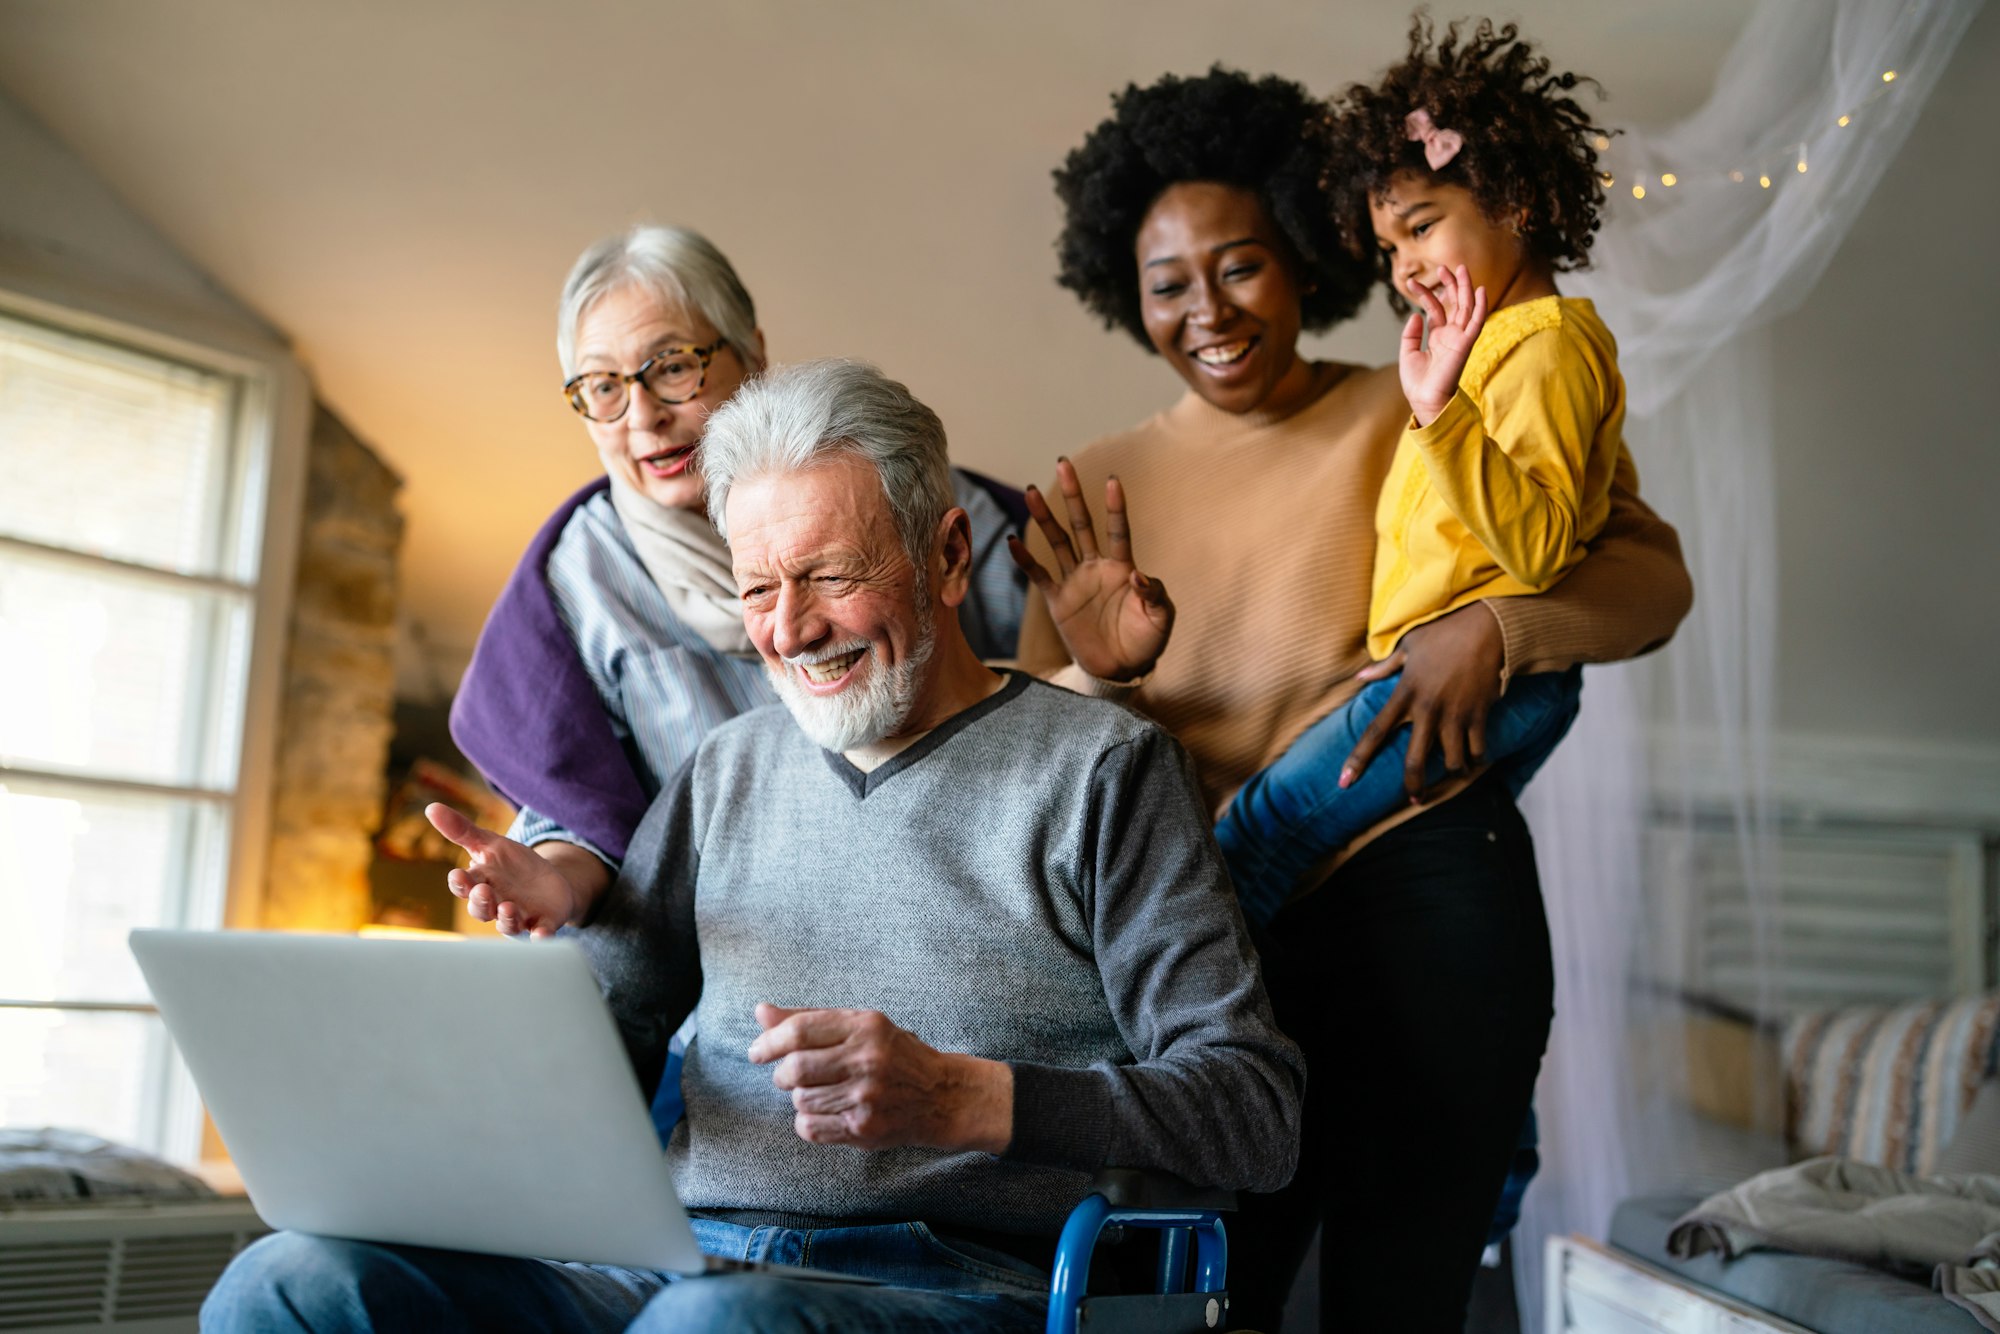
<point>1801,164</point>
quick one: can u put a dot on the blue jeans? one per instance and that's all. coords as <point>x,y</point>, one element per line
<point>1521,1174</point>
<point>292,1281</point>
<point>1287,820</point>
<point>668,1104</point>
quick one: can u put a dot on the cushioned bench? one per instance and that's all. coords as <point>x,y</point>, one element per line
<point>1828,1296</point>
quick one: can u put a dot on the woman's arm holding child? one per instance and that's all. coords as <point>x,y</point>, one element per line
<point>1625,599</point>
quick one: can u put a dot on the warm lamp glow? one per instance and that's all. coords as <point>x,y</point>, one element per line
<point>1601,142</point>
<point>1764,181</point>
<point>1802,165</point>
<point>1669,179</point>
<point>1842,122</point>
<point>376,931</point>
<point>1888,76</point>
<point>1638,192</point>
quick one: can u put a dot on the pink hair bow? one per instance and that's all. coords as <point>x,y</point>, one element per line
<point>1440,146</point>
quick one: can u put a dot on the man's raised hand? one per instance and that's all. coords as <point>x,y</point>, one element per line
<point>855,1078</point>
<point>508,883</point>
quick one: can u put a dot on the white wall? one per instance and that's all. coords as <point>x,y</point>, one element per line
<point>402,186</point>
<point>1885,457</point>
<point>64,234</point>
<point>1888,444</point>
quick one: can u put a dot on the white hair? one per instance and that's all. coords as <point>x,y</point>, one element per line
<point>678,267</point>
<point>794,418</point>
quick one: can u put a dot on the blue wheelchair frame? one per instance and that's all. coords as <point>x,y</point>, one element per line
<point>1180,1213</point>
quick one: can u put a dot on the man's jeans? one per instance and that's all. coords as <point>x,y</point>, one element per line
<point>292,1281</point>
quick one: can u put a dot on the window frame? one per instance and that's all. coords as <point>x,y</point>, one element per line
<point>266,496</point>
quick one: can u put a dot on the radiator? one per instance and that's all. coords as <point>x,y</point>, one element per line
<point>1864,913</point>
<point>1885,876</point>
<point>136,1268</point>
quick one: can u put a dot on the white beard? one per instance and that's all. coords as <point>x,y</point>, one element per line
<point>866,711</point>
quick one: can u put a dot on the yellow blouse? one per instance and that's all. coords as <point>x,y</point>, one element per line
<point>1499,494</point>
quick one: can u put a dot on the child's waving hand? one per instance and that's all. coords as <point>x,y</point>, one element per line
<point>1430,373</point>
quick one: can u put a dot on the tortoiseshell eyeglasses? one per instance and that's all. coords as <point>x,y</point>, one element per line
<point>671,375</point>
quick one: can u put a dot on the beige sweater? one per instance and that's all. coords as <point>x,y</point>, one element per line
<point>1263,532</point>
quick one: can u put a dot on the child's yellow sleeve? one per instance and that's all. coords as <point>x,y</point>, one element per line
<point>1513,473</point>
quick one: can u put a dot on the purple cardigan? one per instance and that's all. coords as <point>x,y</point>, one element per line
<point>529,717</point>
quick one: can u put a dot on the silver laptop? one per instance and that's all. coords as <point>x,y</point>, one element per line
<point>471,1095</point>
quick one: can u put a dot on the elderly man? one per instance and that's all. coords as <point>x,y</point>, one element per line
<point>952,939</point>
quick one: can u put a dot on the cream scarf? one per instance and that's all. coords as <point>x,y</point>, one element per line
<point>688,562</point>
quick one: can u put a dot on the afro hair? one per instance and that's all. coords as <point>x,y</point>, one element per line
<point>1259,134</point>
<point>1529,149</point>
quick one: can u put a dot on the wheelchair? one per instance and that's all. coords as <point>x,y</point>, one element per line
<point>1189,1221</point>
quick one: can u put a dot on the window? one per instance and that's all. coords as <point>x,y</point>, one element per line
<point>132,489</point>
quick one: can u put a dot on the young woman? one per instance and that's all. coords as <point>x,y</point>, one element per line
<point>1418,979</point>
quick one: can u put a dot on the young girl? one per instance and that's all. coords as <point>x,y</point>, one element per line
<point>1471,172</point>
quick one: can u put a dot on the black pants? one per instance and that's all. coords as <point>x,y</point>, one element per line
<point>1418,982</point>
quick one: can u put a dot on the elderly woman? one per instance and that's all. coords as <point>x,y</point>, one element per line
<point>1418,978</point>
<point>618,642</point>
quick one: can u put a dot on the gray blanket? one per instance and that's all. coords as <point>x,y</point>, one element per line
<point>1945,1228</point>
<point>53,1166</point>
<point>1975,1284</point>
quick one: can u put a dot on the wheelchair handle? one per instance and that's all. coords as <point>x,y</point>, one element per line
<point>1144,1202</point>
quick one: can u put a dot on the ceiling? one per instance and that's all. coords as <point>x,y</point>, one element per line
<point>400,186</point>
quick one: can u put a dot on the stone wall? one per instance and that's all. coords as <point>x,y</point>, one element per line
<point>339,692</point>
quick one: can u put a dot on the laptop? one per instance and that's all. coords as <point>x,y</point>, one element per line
<point>470,1095</point>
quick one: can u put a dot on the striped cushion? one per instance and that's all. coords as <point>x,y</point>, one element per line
<point>1887,1085</point>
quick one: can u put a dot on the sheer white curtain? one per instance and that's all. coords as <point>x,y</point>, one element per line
<point>1745,203</point>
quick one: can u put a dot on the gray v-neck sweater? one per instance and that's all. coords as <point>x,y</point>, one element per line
<point>1033,882</point>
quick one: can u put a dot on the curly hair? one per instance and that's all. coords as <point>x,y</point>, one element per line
<point>1529,148</point>
<point>1258,134</point>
